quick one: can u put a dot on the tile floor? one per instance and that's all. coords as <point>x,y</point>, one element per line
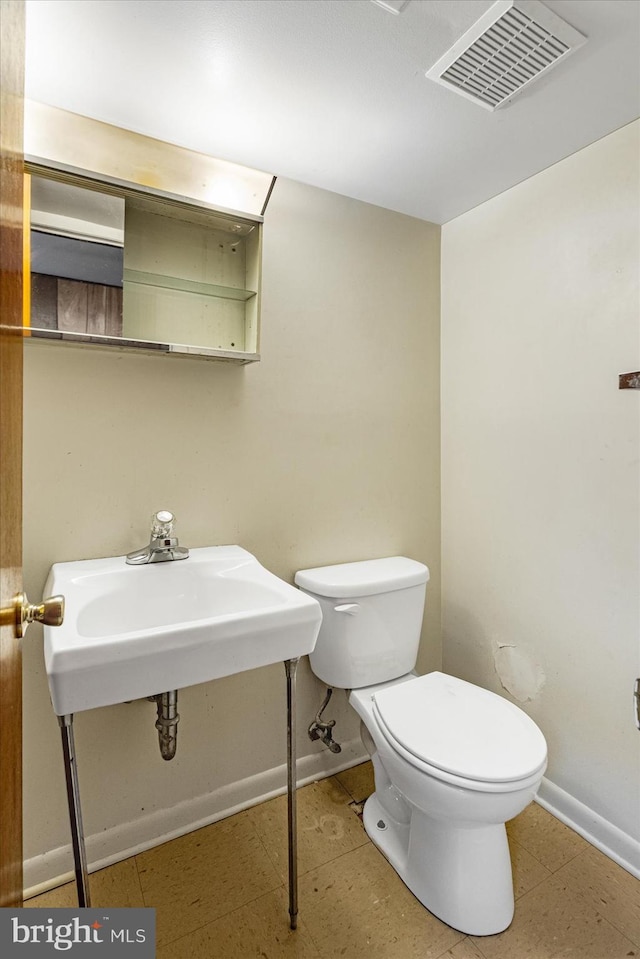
<point>220,892</point>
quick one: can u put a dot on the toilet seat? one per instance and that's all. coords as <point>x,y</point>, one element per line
<point>455,730</point>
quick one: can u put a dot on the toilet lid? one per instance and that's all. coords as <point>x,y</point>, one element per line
<point>461,728</point>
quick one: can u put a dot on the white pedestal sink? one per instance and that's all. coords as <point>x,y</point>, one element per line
<point>133,631</point>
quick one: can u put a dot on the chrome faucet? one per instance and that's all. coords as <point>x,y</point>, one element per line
<point>163,545</point>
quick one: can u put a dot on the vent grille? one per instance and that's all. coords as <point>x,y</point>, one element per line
<point>512,45</point>
<point>511,53</point>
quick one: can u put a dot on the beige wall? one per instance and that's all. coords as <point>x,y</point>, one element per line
<point>326,451</point>
<point>540,476</point>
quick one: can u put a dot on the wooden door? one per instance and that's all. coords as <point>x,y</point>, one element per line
<point>12,35</point>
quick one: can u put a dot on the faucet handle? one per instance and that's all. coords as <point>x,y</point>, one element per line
<point>162,524</point>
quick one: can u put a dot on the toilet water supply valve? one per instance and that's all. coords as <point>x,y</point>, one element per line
<point>323,730</point>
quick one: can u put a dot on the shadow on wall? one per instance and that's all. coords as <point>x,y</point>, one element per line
<point>465,647</point>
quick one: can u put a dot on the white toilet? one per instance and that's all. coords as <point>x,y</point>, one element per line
<point>452,762</point>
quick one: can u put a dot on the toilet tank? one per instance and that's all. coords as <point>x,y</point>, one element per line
<point>371,619</point>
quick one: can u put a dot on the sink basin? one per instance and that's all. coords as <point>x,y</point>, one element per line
<point>134,631</point>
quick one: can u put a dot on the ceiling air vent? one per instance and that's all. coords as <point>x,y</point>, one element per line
<point>514,43</point>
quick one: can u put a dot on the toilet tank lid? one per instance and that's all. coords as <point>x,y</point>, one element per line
<point>364,578</point>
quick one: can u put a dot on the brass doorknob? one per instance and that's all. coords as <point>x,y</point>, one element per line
<point>22,612</point>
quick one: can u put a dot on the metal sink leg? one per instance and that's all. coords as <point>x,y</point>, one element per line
<point>75,812</point>
<point>291,666</point>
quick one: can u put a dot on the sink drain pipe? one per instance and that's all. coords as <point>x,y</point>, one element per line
<point>167,722</point>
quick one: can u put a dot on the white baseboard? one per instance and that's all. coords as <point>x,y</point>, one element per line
<point>128,839</point>
<point>613,842</point>
<point>54,868</point>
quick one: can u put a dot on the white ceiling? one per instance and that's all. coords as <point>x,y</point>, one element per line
<point>333,92</point>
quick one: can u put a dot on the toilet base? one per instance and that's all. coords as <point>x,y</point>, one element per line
<point>461,874</point>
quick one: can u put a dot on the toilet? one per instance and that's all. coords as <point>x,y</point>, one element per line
<point>452,762</point>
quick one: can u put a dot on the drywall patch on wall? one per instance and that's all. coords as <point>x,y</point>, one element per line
<point>518,673</point>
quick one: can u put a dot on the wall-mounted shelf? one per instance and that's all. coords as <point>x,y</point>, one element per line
<point>629,381</point>
<point>141,346</point>
<point>187,286</point>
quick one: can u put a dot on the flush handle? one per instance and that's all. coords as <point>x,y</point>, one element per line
<point>22,612</point>
<point>351,609</point>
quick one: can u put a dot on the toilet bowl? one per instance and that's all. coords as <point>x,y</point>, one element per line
<point>452,762</point>
<point>442,829</point>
